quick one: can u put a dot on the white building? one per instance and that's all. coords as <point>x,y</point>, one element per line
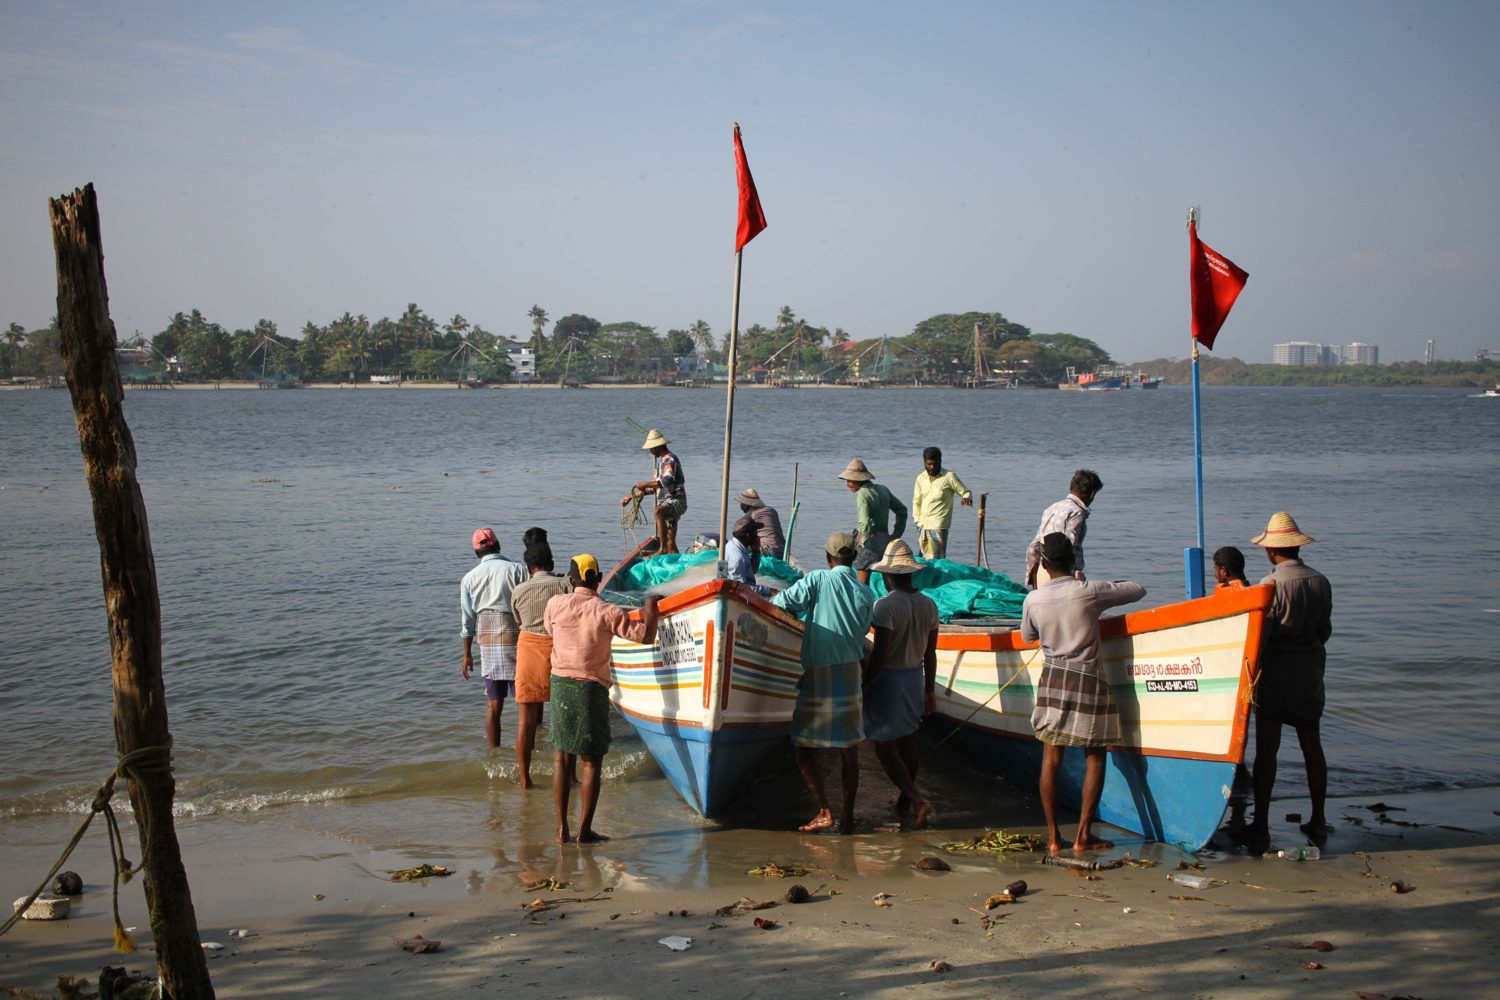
<point>522,361</point>
<point>1299,353</point>
<point>1359,353</point>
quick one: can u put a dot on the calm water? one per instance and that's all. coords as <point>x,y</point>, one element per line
<point>309,545</point>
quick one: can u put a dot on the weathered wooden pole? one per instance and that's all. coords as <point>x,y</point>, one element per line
<point>129,572</point>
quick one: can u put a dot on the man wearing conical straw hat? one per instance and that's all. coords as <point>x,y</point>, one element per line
<point>1290,688</point>
<point>873,506</point>
<point>901,676</point>
<point>670,487</point>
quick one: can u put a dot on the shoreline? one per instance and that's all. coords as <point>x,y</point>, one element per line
<point>324,916</point>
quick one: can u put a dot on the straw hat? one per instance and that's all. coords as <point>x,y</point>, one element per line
<point>856,472</point>
<point>750,498</point>
<point>654,439</point>
<point>1281,533</point>
<point>898,559</point>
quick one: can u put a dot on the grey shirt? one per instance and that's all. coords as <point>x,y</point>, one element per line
<point>1064,614</point>
<point>1071,517</point>
<point>767,527</point>
<point>1300,619</point>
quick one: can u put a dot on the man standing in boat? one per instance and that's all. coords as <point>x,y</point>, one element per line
<point>484,604</point>
<point>901,676</point>
<point>1070,516</point>
<point>1290,689</point>
<point>767,523</point>
<point>670,488</point>
<point>873,506</point>
<point>1074,706</point>
<point>836,608</point>
<point>581,625</point>
<point>932,503</point>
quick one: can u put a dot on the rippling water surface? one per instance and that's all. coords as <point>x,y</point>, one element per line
<point>309,545</point>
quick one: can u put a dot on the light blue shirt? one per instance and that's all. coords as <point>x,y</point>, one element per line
<point>836,609</point>
<point>487,587</point>
<point>739,565</point>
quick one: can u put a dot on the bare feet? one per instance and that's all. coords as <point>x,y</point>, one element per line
<point>902,805</point>
<point>1317,828</point>
<point>822,821</point>
<point>563,837</point>
<point>1092,844</point>
<point>526,781</point>
<point>923,814</point>
<point>846,825</point>
<point>590,837</point>
<point>1054,848</point>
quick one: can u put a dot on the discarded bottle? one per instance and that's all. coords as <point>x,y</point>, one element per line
<point>1190,880</point>
<point>1015,890</point>
<point>1300,854</point>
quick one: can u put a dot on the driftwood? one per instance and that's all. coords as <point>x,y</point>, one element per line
<point>129,573</point>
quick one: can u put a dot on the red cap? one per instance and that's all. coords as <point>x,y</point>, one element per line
<point>484,538</point>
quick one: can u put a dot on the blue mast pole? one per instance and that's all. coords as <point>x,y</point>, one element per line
<point>1192,558</point>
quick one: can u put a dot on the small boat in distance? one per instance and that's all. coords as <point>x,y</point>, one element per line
<point>1491,393</point>
<point>1109,379</point>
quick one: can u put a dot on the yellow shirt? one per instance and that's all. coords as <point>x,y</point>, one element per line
<point>932,499</point>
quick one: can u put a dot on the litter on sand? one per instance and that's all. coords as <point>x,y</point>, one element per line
<point>772,870</point>
<point>677,942</point>
<point>418,945</point>
<point>420,871</point>
<point>995,842</point>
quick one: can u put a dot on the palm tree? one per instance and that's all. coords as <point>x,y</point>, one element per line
<point>703,336</point>
<point>538,323</point>
<point>785,318</point>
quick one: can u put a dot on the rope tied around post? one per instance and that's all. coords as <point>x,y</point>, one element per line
<point>131,766</point>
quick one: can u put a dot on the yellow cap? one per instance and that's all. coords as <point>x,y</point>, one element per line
<point>585,564</point>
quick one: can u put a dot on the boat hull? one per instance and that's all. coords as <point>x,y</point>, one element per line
<point>1182,677</point>
<point>712,696</point>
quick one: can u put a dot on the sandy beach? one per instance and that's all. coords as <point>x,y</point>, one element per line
<point>324,918</point>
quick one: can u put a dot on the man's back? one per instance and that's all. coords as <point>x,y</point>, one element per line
<point>838,610</point>
<point>1301,613</point>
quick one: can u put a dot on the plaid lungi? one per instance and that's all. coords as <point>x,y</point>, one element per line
<point>933,542</point>
<point>828,707</point>
<point>1074,707</point>
<point>496,635</point>
<point>580,717</point>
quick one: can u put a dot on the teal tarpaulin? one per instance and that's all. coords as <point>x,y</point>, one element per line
<point>959,590</point>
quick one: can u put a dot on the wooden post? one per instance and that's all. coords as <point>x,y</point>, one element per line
<point>129,572</point>
<point>981,556</point>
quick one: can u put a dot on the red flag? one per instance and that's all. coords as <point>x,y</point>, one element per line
<point>1215,282</point>
<point>752,219</point>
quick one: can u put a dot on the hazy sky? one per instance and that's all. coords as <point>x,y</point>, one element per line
<point>292,161</point>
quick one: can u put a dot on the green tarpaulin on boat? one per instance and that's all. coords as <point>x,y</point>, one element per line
<point>959,590</point>
<point>657,570</point>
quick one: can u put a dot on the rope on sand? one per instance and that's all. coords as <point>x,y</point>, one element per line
<point>130,766</point>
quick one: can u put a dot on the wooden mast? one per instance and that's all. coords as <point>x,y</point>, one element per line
<point>130,596</point>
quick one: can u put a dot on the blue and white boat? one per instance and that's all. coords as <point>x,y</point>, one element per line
<point>712,696</point>
<point>1183,678</point>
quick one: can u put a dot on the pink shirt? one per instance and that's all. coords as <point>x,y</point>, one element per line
<point>581,626</point>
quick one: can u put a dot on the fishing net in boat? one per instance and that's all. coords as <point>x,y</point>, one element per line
<point>963,591</point>
<point>959,590</point>
<point>653,573</point>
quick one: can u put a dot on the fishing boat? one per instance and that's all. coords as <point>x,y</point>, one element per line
<point>712,696</point>
<point>1182,677</point>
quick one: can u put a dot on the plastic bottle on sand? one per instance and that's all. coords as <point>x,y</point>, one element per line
<point>1300,854</point>
<point>1191,881</point>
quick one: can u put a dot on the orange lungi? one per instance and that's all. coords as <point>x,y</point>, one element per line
<point>533,667</point>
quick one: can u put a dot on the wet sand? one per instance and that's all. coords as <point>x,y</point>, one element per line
<point>1067,937</point>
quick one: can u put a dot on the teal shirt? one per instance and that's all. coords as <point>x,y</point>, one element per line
<point>873,504</point>
<point>836,609</point>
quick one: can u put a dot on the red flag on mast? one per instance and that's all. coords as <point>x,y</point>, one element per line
<point>752,219</point>
<point>1215,282</point>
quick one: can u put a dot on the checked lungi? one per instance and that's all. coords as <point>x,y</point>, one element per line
<point>496,635</point>
<point>1074,707</point>
<point>828,712</point>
